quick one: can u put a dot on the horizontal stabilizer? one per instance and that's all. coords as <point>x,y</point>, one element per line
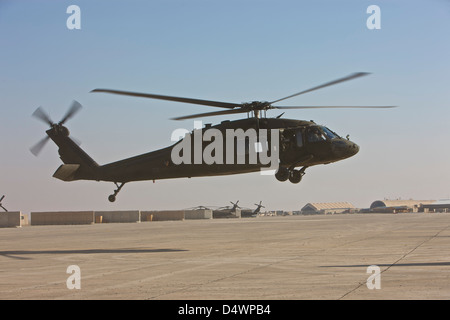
<point>66,172</point>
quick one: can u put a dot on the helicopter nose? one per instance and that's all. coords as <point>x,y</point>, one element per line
<point>345,148</point>
<point>354,148</point>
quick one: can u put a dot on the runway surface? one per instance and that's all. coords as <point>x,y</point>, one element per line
<point>295,257</point>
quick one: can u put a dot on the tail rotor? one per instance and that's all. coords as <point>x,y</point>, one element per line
<point>57,128</point>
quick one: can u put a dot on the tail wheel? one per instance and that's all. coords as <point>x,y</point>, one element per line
<point>112,197</point>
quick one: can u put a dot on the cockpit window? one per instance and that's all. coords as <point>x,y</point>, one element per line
<point>320,133</point>
<point>315,135</point>
<point>328,133</point>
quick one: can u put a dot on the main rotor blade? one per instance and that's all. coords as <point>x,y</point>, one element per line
<point>215,113</point>
<point>170,98</point>
<point>350,77</point>
<point>2,198</point>
<point>74,108</point>
<point>336,107</point>
<point>42,115</point>
<point>37,148</point>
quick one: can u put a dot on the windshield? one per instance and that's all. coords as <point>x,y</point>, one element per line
<point>320,133</point>
<point>329,134</point>
<point>315,135</point>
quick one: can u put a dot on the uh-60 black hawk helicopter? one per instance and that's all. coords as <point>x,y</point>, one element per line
<point>300,144</point>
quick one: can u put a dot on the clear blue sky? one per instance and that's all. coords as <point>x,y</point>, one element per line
<point>234,51</point>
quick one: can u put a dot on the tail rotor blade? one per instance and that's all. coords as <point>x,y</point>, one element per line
<point>40,114</point>
<point>74,108</point>
<point>37,148</point>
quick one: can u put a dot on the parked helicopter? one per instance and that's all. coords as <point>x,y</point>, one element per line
<point>247,212</point>
<point>299,143</point>
<point>258,208</point>
<point>1,206</point>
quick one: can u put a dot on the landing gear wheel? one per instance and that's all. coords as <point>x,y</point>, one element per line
<point>295,176</point>
<point>112,197</point>
<point>282,174</point>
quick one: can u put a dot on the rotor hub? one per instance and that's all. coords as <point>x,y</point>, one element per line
<point>58,130</point>
<point>256,105</point>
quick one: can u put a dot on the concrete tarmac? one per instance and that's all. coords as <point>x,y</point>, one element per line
<point>282,258</point>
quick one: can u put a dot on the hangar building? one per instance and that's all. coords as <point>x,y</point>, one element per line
<point>437,206</point>
<point>395,206</point>
<point>329,207</point>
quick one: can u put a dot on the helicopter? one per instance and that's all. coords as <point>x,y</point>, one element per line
<point>248,212</point>
<point>258,208</point>
<point>1,206</point>
<point>298,143</point>
<point>230,209</point>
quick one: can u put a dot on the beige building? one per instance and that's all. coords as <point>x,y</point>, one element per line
<point>396,206</point>
<point>328,208</point>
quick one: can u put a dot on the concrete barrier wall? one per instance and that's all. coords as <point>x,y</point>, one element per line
<point>90,217</point>
<point>162,215</point>
<point>62,218</point>
<point>117,216</point>
<point>198,214</point>
<point>24,220</point>
<point>12,219</point>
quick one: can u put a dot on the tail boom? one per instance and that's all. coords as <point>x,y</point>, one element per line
<point>78,165</point>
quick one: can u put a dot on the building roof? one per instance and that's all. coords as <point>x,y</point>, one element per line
<point>399,203</point>
<point>442,203</point>
<point>328,205</point>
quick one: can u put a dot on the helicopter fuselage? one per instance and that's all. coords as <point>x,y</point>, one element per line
<point>299,144</point>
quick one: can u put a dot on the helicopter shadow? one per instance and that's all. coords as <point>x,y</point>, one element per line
<point>22,254</point>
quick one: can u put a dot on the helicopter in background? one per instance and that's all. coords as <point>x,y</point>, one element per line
<point>300,144</point>
<point>258,208</point>
<point>1,206</point>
